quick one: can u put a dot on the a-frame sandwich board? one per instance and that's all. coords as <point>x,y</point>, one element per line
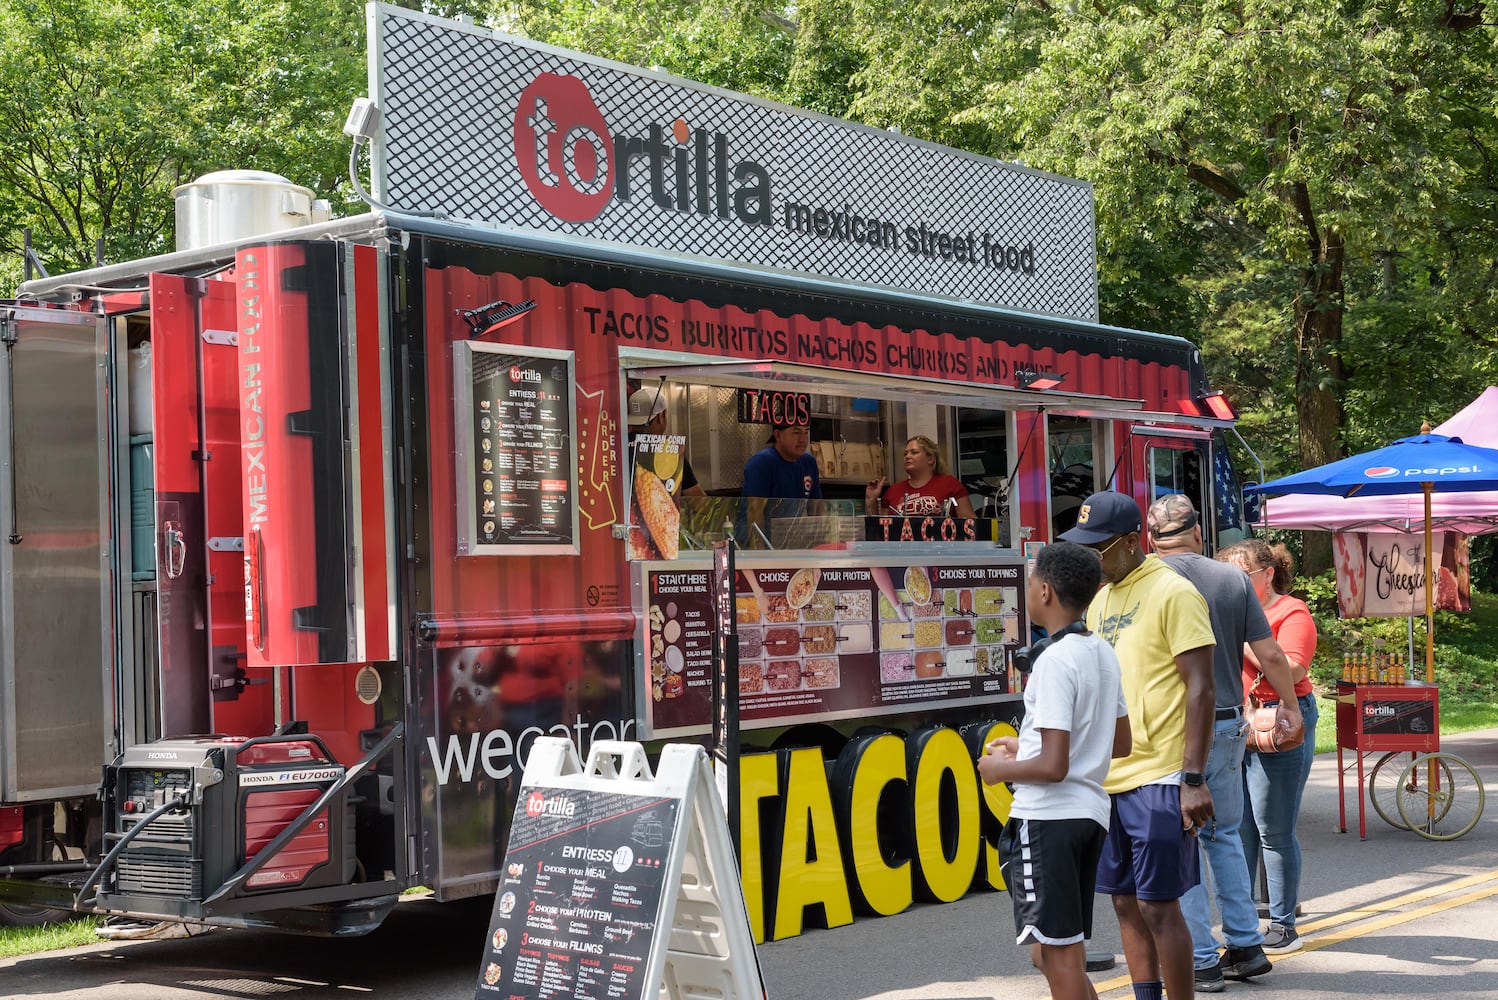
<point>618,883</point>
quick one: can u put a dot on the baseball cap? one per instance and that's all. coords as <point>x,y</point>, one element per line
<point>1170,516</point>
<point>645,405</point>
<point>1102,516</point>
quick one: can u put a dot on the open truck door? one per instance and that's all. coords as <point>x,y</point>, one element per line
<point>57,615</point>
<point>1167,460</point>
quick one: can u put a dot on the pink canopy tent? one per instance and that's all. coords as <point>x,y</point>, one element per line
<point>1469,513</point>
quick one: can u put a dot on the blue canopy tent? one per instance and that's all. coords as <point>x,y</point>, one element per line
<point>1428,463</point>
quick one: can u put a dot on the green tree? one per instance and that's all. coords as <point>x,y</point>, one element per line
<point>1289,145</point>
<point>105,106</point>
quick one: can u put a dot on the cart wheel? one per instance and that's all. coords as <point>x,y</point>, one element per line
<point>1440,796</point>
<point>1385,801</point>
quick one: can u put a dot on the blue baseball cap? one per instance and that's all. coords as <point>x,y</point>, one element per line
<point>1103,516</point>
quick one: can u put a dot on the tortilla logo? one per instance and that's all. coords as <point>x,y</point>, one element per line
<point>574,167</point>
<point>563,148</point>
<point>1380,472</point>
<point>537,804</point>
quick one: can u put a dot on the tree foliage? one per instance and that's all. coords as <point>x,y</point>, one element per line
<point>105,106</point>
<point>1306,189</point>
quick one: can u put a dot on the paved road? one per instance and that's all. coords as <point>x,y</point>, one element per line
<point>1391,916</point>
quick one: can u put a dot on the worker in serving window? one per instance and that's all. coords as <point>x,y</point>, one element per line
<point>781,480</point>
<point>929,489</point>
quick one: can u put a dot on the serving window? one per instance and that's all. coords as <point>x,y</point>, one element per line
<point>857,429</point>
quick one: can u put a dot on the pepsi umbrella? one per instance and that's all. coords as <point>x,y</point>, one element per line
<point>1428,463</point>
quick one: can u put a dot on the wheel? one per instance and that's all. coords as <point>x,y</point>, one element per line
<point>20,915</point>
<point>1382,794</point>
<point>1440,796</point>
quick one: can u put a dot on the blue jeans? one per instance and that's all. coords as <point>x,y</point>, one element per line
<point>1276,783</point>
<point>1223,845</point>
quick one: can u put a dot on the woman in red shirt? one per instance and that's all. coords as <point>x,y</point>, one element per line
<point>1276,782</point>
<point>927,490</point>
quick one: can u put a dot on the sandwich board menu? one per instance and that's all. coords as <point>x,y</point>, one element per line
<point>517,462</point>
<point>587,900</point>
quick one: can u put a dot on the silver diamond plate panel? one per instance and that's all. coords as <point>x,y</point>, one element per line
<point>484,126</point>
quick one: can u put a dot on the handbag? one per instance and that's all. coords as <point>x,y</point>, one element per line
<point>1269,726</point>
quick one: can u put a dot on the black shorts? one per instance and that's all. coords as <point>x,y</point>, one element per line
<point>1050,868</point>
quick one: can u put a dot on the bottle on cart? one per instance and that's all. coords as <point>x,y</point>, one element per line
<point>1399,672</point>
<point>1383,668</point>
<point>1347,668</point>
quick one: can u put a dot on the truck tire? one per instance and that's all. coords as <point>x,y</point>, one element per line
<point>21,915</point>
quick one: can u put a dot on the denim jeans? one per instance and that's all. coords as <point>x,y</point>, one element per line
<point>1276,782</point>
<point>1221,842</point>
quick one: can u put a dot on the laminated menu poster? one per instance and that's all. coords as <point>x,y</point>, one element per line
<point>579,899</point>
<point>834,641</point>
<point>517,466</point>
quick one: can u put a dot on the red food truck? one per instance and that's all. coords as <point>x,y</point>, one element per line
<point>313,527</point>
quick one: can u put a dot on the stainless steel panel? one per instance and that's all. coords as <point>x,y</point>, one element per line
<point>56,630</point>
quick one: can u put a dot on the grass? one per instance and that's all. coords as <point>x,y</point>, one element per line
<point>1466,657</point>
<point>49,937</point>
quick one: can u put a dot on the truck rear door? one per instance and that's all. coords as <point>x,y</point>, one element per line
<point>56,593</point>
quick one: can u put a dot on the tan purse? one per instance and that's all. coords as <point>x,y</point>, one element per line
<point>1269,726</point>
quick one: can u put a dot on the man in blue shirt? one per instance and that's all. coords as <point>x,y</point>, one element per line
<point>781,480</point>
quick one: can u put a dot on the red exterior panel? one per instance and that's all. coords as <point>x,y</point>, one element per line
<point>276,464</point>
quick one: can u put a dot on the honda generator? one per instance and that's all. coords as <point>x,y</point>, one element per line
<point>234,796</point>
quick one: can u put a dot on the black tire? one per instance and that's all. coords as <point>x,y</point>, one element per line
<point>20,915</point>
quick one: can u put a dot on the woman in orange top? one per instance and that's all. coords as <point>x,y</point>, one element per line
<point>1276,782</point>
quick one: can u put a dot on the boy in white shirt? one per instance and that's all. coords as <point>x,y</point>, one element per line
<point>1075,722</point>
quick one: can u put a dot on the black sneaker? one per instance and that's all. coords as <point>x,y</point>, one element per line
<point>1209,980</point>
<point>1245,963</point>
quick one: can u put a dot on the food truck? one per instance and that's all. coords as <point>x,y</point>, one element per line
<point>313,526</point>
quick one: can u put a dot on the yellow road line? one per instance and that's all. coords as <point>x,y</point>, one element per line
<point>1377,916</point>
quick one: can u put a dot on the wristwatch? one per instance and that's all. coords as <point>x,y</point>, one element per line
<point>1193,778</point>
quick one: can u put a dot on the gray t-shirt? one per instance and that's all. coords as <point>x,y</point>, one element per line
<point>1237,617</point>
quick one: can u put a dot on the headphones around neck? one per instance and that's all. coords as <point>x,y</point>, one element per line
<point>1025,656</point>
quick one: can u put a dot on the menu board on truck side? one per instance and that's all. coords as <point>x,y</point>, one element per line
<point>834,641</point>
<point>517,462</point>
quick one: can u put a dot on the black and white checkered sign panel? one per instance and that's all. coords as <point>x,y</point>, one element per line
<point>495,129</point>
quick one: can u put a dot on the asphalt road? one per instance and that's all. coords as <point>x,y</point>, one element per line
<point>1390,916</point>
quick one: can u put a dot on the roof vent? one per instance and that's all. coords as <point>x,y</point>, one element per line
<point>230,205</point>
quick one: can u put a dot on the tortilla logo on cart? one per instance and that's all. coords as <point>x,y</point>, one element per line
<point>573,167</point>
<point>537,804</point>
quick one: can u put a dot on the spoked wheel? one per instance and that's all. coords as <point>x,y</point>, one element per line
<point>1440,796</point>
<point>1381,789</point>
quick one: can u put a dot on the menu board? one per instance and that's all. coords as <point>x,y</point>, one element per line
<point>516,462</point>
<point>579,899</point>
<point>835,641</point>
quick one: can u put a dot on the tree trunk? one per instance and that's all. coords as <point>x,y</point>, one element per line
<point>1319,374</point>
